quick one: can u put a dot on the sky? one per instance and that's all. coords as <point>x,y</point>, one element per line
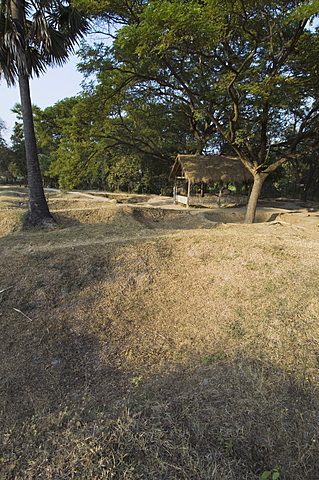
<point>57,83</point>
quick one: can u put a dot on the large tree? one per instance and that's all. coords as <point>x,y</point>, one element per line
<point>34,35</point>
<point>234,65</point>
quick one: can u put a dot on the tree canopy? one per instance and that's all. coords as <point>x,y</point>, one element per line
<point>243,73</point>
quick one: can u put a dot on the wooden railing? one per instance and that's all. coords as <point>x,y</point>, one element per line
<point>210,199</point>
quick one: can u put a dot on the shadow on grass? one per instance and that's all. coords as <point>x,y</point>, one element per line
<point>13,197</point>
<point>63,221</point>
<point>273,217</point>
<point>13,191</point>
<point>77,405</point>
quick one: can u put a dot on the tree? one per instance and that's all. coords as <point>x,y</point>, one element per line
<point>232,66</point>
<point>91,135</point>
<point>34,35</point>
<point>5,157</point>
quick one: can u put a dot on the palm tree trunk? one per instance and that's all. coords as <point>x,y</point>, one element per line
<point>38,211</point>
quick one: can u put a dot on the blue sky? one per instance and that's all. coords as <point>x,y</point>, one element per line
<point>54,85</point>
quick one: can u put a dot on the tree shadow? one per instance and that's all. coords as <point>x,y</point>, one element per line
<point>13,191</point>
<point>212,418</point>
<point>64,221</point>
<point>273,217</point>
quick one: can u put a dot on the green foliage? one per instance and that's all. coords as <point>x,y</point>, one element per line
<point>18,145</point>
<point>299,178</point>
<point>235,69</point>
<point>166,24</point>
<point>232,67</point>
<point>7,168</point>
<point>309,8</point>
<point>273,474</point>
<point>136,381</point>
<point>111,139</point>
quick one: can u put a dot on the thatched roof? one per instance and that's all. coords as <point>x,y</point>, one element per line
<point>210,169</point>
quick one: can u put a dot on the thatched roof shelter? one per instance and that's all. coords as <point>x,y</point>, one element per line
<point>209,169</point>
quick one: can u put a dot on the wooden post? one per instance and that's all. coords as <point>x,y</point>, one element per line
<point>188,192</point>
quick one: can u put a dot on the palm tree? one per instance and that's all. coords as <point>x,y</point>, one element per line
<point>35,34</point>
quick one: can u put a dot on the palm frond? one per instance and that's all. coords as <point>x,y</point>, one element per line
<point>10,56</point>
<point>37,32</point>
<point>36,64</point>
<point>52,28</point>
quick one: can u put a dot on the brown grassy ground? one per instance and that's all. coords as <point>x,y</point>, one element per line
<point>150,342</point>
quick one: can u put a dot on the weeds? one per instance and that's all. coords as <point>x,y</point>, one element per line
<point>212,358</point>
<point>136,381</point>
<point>270,474</point>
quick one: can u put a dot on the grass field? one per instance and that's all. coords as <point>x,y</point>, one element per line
<point>149,342</point>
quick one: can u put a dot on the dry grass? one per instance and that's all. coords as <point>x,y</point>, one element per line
<point>143,343</point>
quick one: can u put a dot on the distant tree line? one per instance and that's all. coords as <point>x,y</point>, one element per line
<point>124,169</point>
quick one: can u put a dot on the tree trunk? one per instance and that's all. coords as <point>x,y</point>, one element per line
<point>38,211</point>
<point>307,181</point>
<point>259,179</point>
